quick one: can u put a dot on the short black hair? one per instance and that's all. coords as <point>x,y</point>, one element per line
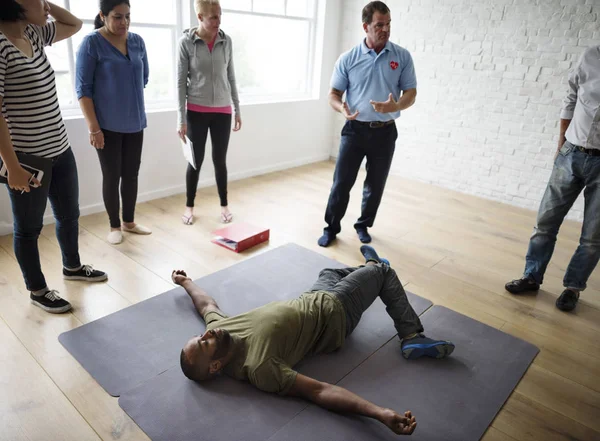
<point>11,11</point>
<point>369,10</point>
<point>189,370</point>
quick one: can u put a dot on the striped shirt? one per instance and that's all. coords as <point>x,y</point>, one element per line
<point>29,98</point>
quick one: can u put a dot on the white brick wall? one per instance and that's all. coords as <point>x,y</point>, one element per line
<point>491,80</point>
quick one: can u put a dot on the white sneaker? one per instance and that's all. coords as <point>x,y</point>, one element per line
<point>138,229</point>
<point>115,237</point>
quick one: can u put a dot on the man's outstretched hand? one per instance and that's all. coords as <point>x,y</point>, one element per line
<point>399,424</point>
<point>179,276</point>
<point>389,106</point>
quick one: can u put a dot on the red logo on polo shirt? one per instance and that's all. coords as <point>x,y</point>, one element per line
<point>393,65</point>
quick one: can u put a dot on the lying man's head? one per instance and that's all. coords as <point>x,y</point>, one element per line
<point>204,356</point>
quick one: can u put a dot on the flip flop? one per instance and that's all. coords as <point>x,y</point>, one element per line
<point>187,220</point>
<point>226,218</point>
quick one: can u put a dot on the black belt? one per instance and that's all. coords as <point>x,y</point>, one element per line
<point>591,152</point>
<point>375,124</point>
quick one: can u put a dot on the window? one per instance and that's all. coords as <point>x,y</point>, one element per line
<point>273,45</point>
<point>158,22</point>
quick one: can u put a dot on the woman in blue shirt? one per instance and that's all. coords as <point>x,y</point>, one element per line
<point>112,71</point>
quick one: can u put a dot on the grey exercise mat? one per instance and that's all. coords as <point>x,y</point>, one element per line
<point>138,343</point>
<point>454,399</point>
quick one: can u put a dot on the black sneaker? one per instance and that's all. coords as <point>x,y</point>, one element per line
<point>522,285</point>
<point>86,273</point>
<point>567,300</point>
<point>51,302</point>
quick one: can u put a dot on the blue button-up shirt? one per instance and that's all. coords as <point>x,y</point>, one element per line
<point>365,75</point>
<point>114,82</point>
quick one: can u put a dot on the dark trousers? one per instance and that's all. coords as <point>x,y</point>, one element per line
<point>199,124</point>
<point>357,289</point>
<point>360,141</point>
<point>120,162</point>
<point>28,214</point>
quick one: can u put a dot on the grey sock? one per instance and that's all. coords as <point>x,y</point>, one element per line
<point>40,292</point>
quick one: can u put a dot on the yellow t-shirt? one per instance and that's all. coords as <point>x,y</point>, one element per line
<point>271,339</point>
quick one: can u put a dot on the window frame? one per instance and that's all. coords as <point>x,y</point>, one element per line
<point>153,105</point>
<point>185,14</point>
<point>310,85</point>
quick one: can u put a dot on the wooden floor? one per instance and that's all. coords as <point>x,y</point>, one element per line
<point>456,250</point>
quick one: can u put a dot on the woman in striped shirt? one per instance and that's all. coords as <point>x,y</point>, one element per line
<point>31,124</point>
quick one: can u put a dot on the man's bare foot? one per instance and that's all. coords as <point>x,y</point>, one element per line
<point>179,276</point>
<point>226,215</point>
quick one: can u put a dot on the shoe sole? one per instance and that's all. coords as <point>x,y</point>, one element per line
<point>87,279</point>
<point>52,310</point>
<point>521,291</point>
<point>565,308</point>
<point>434,350</point>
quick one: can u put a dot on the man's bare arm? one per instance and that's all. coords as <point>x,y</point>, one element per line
<point>335,99</point>
<point>407,99</point>
<point>564,125</point>
<point>336,103</point>
<point>202,301</point>
<point>338,399</point>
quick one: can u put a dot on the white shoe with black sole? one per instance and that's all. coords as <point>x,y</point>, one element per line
<point>51,302</point>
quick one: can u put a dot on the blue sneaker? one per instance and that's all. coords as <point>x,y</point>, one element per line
<point>420,345</point>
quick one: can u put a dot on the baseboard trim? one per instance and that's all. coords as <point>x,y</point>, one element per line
<point>7,228</point>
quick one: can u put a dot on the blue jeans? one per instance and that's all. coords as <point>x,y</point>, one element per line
<point>573,172</point>
<point>360,141</point>
<point>28,214</point>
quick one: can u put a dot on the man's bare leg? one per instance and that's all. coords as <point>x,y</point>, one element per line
<point>202,301</point>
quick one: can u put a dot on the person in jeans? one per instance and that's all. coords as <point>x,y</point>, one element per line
<point>31,123</point>
<point>263,345</point>
<point>112,71</point>
<point>372,74</point>
<point>576,169</point>
<point>206,88</point>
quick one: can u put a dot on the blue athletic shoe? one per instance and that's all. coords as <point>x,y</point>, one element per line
<point>420,345</point>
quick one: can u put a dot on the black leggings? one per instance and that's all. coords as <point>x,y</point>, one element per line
<point>120,162</point>
<point>198,124</point>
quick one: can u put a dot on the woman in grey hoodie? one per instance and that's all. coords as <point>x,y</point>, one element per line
<point>207,89</point>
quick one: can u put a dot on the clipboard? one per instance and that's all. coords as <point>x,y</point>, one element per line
<point>188,151</point>
<point>41,168</point>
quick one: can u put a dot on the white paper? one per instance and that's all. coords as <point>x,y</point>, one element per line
<point>227,242</point>
<point>188,152</point>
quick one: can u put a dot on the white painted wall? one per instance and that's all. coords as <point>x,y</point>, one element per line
<point>274,137</point>
<point>491,80</point>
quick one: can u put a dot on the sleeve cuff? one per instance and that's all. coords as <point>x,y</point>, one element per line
<point>566,114</point>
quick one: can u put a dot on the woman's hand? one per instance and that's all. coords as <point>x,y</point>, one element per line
<point>20,179</point>
<point>238,123</point>
<point>182,132</point>
<point>97,139</point>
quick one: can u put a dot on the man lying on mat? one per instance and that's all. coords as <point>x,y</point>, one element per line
<point>262,346</point>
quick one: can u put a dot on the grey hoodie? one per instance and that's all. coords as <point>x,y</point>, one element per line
<point>205,78</point>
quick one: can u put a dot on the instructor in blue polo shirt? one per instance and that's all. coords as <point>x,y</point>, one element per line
<point>379,80</point>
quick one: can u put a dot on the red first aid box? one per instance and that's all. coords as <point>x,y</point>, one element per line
<point>240,236</point>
